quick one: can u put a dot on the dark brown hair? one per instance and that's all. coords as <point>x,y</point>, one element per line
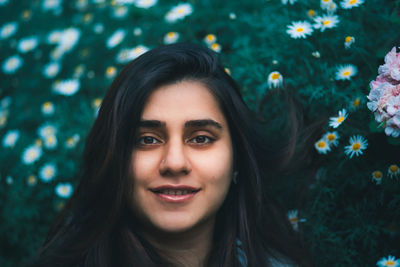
<point>96,227</point>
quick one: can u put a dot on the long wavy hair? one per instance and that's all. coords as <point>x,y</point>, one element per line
<point>96,227</point>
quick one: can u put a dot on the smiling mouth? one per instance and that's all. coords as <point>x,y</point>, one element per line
<point>175,195</point>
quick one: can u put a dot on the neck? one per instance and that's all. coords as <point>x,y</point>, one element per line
<point>189,248</point>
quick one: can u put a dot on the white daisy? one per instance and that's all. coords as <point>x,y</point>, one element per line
<point>332,138</point>
<point>51,4</point>
<point>345,72</point>
<point>51,69</point>
<point>322,146</point>
<point>69,39</point>
<point>66,87</point>
<point>377,177</point>
<point>3,118</point>
<point>79,71</point>
<point>50,142</point>
<point>126,55</point>
<point>216,47</point>
<point>81,4</point>
<point>12,64</point>
<point>116,38</point>
<point>98,28</point>
<point>232,16</point>
<point>210,39</point>
<point>326,22</point>
<point>316,54</point>
<point>288,1</point>
<point>72,141</point>
<point>64,190</point>
<point>137,31</point>
<point>145,3</point>
<point>8,30</point>
<point>311,13</point>
<point>120,12</point>
<point>275,80</point>
<point>347,4</point>
<point>31,180</point>
<point>54,37</point>
<point>390,261</point>
<point>31,154</point>
<point>356,147</point>
<point>47,172</point>
<point>179,12</point>
<point>48,108</point>
<point>111,72</point>
<point>11,138</point>
<point>299,29</point>
<point>393,171</point>
<point>27,44</point>
<point>125,2</point>
<point>171,37</point>
<point>46,130</point>
<point>294,219</point>
<point>348,41</point>
<point>336,121</point>
<point>325,4</point>
<point>332,8</point>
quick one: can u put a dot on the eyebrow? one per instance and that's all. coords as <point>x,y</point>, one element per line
<point>188,124</point>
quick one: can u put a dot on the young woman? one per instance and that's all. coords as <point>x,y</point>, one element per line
<point>173,175</point>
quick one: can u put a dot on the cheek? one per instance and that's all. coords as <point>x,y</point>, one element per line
<point>143,165</point>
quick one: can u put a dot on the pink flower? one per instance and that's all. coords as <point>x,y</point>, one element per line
<point>384,97</point>
<point>391,68</point>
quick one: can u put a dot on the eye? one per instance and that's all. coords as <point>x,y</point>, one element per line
<point>201,140</point>
<point>147,140</point>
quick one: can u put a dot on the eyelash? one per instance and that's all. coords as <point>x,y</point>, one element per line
<point>140,141</point>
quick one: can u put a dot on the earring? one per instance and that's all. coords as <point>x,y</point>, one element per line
<point>234,179</point>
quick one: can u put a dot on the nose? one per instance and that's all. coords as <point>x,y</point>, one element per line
<point>175,161</point>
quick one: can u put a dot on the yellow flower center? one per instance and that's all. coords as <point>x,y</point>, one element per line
<point>47,104</point>
<point>356,102</point>
<point>326,1</point>
<point>215,46</point>
<point>331,137</point>
<point>390,263</point>
<point>26,14</point>
<point>299,29</point>
<point>49,172</point>
<point>321,144</point>
<point>171,34</point>
<point>227,71</point>
<point>356,146</point>
<point>326,22</point>
<point>70,141</point>
<point>348,39</point>
<point>97,102</point>
<point>294,220</point>
<point>180,10</point>
<point>377,174</point>
<point>275,76</point>
<point>346,73</point>
<point>311,13</point>
<point>394,168</point>
<point>50,139</point>
<point>210,37</point>
<point>352,2</point>
<point>38,142</point>
<point>340,119</point>
<point>31,179</point>
<point>110,70</point>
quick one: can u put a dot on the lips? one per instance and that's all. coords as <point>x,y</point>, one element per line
<point>174,193</point>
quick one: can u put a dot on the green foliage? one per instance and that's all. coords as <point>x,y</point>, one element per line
<point>350,221</point>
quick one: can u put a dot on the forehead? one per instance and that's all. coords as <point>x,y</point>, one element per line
<point>183,100</point>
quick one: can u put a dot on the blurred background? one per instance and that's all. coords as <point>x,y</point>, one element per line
<point>59,57</point>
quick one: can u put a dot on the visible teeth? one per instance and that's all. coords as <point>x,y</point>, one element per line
<point>175,192</point>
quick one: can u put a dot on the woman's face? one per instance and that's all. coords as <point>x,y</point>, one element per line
<point>182,163</point>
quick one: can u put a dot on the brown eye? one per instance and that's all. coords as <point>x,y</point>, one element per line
<point>147,140</point>
<point>202,139</point>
